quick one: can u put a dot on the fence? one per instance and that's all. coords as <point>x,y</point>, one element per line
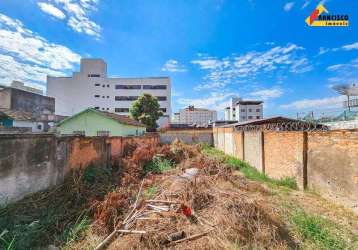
<point>325,161</point>
<point>29,163</point>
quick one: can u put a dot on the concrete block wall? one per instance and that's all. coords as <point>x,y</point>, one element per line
<point>239,144</point>
<point>188,136</point>
<point>229,147</point>
<point>30,163</point>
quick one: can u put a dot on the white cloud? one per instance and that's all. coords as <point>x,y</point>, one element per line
<point>214,101</point>
<point>173,66</point>
<point>78,12</point>
<point>288,6</point>
<point>329,102</point>
<point>265,94</point>
<point>350,67</point>
<point>28,57</point>
<point>305,4</point>
<point>238,68</point>
<point>51,10</point>
<point>350,46</point>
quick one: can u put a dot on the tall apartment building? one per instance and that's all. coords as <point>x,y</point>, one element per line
<point>191,115</point>
<point>241,110</point>
<point>92,88</point>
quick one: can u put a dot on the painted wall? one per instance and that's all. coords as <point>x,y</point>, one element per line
<point>30,163</point>
<point>91,122</point>
<point>187,136</point>
<point>253,149</point>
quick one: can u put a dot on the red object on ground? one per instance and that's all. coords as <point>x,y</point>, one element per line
<point>186,210</point>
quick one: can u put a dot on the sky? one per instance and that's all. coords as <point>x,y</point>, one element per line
<point>211,49</point>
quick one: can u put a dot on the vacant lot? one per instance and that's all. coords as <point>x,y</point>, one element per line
<point>176,196</point>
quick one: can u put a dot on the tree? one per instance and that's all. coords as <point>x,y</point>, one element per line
<point>146,110</point>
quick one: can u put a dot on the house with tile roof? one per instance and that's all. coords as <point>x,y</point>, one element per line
<point>91,122</point>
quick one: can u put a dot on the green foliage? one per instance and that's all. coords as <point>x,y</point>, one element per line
<point>7,244</point>
<point>74,233</point>
<point>249,171</point>
<point>150,192</point>
<point>158,165</point>
<point>317,230</point>
<point>146,110</point>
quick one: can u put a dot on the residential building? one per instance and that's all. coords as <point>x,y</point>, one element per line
<point>230,112</point>
<point>192,115</point>
<point>244,110</point>
<point>16,99</point>
<point>92,88</point>
<point>249,110</point>
<point>21,101</point>
<point>10,119</point>
<point>92,122</point>
<point>176,117</point>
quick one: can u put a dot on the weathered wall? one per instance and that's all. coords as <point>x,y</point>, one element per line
<point>283,154</point>
<point>253,150</point>
<point>229,141</point>
<point>29,163</point>
<point>239,144</point>
<point>343,124</point>
<point>187,136</point>
<point>332,165</point>
<point>221,139</point>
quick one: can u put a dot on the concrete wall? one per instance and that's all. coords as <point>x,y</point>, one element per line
<point>187,136</point>
<point>343,124</point>
<point>332,167</point>
<point>239,144</point>
<point>326,162</point>
<point>283,154</point>
<point>29,163</point>
<point>253,150</point>
<point>229,141</point>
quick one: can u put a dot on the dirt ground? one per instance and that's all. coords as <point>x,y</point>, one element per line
<point>177,197</point>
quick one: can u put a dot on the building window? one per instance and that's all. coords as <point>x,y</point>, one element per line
<point>103,85</point>
<point>250,117</point>
<point>103,96</point>
<point>102,108</point>
<point>107,108</point>
<point>257,117</point>
<point>154,86</point>
<point>121,110</point>
<point>97,84</point>
<point>162,98</point>
<point>78,132</point>
<point>250,110</point>
<point>96,96</point>
<point>233,109</point>
<point>242,110</point>
<point>94,75</point>
<point>126,98</point>
<point>257,110</point>
<point>119,86</point>
<point>107,85</point>
<point>243,117</point>
<point>163,110</point>
<point>96,108</point>
<point>102,133</point>
<point>107,96</point>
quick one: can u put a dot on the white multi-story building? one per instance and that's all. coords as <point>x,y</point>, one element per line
<point>241,110</point>
<point>92,88</point>
<point>191,115</point>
